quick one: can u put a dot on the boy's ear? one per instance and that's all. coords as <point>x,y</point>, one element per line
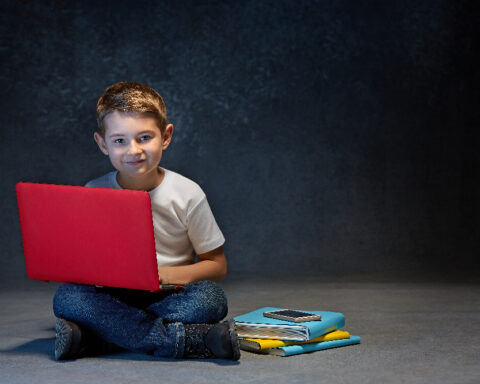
<point>100,142</point>
<point>167,136</point>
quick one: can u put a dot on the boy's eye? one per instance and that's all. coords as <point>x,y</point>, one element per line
<point>145,138</point>
<point>118,141</point>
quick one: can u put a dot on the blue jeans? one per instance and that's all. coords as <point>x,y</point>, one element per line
<point>141,321</point>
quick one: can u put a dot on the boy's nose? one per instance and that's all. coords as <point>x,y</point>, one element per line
<point>133,149</point>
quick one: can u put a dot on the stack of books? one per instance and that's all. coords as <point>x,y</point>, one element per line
<point>265,335</point>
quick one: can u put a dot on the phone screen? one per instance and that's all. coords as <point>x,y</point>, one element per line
<point>292,313</point>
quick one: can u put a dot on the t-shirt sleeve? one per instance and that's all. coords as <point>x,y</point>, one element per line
<point>203,230</point>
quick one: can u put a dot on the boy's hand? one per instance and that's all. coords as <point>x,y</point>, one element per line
<point>211,266</point>
<point>165,275</point>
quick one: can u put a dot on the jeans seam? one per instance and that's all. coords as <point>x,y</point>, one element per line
<point>180,340</point>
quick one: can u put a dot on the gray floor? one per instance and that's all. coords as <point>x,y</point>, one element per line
<point>412,332</point>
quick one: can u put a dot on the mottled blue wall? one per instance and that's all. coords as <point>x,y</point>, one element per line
<point>328,135</point>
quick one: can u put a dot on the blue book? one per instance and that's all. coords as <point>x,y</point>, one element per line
<point>255,325</point>
<point>305,348</point>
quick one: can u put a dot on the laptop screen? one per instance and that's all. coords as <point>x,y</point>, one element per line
<point>86,235</point>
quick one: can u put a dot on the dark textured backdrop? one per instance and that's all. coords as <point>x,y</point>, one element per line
<point>328,135</point>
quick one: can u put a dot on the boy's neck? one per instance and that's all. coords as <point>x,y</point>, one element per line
<point>142,183</point>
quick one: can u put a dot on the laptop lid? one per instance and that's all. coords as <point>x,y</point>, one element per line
<point>84,235</point>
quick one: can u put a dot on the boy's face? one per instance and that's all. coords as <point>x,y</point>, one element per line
<point>134,144</point>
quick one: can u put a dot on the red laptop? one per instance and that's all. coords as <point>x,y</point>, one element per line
<point>83,235</point>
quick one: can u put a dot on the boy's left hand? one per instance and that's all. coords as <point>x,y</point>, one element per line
<point>211,266</point>
<point>166,275</point>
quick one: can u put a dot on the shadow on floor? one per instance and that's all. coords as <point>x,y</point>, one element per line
<point>132,356</point>
<point>34,347</point>
<point>46,347</point>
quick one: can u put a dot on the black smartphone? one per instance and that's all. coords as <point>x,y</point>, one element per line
<point>292,315</point>
<point>171,287</point>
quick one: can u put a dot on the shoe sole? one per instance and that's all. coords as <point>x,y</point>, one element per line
<point>234,340</point>
<point>66,339</point>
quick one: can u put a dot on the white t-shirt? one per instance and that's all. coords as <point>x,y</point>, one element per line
<point>182,219</point>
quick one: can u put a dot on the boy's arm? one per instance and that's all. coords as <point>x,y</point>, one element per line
<point>211,266</point>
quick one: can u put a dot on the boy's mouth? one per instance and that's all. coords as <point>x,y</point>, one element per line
<point>135,162</point>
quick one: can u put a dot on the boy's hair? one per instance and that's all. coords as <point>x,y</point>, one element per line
<point>131,97</point>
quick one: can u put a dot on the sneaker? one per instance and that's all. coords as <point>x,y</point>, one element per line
<point>212,341</point>
<point>68,337</point>
<point>72,342</point>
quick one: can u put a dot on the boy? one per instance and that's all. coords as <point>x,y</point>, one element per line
<point>133,132</point>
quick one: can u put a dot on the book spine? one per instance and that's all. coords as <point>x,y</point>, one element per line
<point>305,348</point>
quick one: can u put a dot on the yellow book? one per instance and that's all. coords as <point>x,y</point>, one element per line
<point>259,345</point>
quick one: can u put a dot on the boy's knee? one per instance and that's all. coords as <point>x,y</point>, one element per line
<point>209,290</point>
<point>211,297</point>
<point>69,298</point>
